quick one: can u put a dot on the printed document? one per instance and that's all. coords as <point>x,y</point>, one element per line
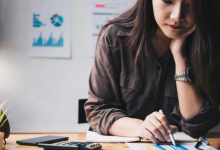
<point>98,13</point>
<point>182,146</point>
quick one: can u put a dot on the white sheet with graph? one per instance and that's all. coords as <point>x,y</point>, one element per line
<point>98,13</point>
<point>182,146</point>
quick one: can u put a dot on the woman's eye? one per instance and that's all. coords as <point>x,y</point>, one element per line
<point>167,1</point>
<point>187,5</point>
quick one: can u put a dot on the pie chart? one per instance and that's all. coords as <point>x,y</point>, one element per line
<point>57,20</point>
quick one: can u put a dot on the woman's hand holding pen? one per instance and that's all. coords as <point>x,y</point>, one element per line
<point>156,128</point>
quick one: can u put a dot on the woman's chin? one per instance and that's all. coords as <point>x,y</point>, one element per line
<point>173,35</point>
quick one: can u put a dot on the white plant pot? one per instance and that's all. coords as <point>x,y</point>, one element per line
<point>1,139</point>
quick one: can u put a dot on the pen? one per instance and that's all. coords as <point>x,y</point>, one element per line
<point>170,134</point>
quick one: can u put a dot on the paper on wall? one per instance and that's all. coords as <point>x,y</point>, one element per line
<point>98,13</point>
<point>50,28</point>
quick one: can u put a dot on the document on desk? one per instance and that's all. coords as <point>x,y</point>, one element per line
<point>95,137</point>
<point>182,146</point>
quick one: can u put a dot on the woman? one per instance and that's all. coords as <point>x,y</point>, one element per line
<point>136,59</point>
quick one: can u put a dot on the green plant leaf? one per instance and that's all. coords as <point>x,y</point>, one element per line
<point>5,120</point>
<point>2,115</point>
<point>2,105</point>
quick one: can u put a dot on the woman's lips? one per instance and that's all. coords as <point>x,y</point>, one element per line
<point>175,27</point>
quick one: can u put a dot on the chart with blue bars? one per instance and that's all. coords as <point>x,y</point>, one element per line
<point>51,42</point>
<point>178,147</point>
<point>36,22</point>
<point>158,147</point>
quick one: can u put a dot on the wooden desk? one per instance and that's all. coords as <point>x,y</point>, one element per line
<point>213,138</point>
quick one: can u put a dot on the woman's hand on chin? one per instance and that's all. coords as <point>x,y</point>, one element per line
<point>177,44</point>
<point>156,128</point>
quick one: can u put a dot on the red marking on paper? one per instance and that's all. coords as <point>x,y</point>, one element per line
<point>99,5</point>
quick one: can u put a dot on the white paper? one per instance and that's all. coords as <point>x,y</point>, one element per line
<point>98,13</point>
<point>182,137</point>
<point>92,136</point>
<point>182,146</point>
<point>95,137</point>
<point>50,28</point>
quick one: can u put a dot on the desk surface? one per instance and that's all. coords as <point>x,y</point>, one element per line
<point>213,138</point>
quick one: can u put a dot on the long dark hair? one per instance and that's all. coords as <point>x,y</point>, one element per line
<point>202,47</point>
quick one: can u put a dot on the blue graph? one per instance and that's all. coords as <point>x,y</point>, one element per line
<point>36,22</point>
<point>178,147</point>
<point>156,147</point>
<point>56,20</point>
<point>50,42</point>
<point>99,26</point>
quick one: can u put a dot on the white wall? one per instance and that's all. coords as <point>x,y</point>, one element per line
<point>42,93</point>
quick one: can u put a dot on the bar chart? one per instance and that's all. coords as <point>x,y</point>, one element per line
<point>51,42</point>
<point>158,147</point>
<point>168,146</point>
<point>36,22</point>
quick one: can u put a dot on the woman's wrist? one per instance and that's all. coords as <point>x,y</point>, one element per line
<point>137,131</point>
<point>181,64</point>
<point>128,127</point>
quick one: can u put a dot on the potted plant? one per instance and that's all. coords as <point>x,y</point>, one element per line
<point>2,122</point>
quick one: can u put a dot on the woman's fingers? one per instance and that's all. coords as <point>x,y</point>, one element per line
<point>153,129</point>
<point>163,132</point>
<point>157,128</point>
<point>174,129</point>
<point>163,120</point>
<point>147,135</point>
<point>190,31</point>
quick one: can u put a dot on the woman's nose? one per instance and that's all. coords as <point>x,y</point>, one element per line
<point>177,13</point>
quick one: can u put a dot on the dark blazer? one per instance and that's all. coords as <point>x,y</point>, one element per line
<point>120,88</point>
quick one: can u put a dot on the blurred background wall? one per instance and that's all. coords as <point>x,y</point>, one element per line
<point>43,93</point>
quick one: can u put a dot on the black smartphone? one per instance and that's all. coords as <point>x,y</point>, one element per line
<point>43,139</point>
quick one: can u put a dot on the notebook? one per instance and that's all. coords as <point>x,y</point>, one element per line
<point>93,136</point>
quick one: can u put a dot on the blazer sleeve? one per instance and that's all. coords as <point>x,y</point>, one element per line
<point>104,105</point>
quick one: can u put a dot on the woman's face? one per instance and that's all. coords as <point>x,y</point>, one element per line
<point>174,17</point>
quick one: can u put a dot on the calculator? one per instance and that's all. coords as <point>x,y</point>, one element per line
<point>71,146</point>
